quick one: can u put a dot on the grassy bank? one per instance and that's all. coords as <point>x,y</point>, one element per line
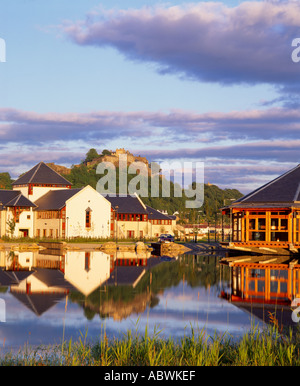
<point>268,348</point>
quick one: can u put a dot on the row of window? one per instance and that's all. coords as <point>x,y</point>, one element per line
<point>276,224</point>
<point>142,217</point>
<point>131,217</point>
<point>49,214</point>
<point>281,213</point>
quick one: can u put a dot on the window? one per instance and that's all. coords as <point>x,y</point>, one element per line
<point>130,234</point>
<point>88,215</point>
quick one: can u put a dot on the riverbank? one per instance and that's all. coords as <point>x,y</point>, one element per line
<point>268,348</point>
<point>170,249</point>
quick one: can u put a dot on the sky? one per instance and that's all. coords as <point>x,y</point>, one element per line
<point>183,81</point>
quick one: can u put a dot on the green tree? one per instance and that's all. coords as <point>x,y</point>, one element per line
<point>5,181</point>
<point>91,154</point>
<point>11,226</point>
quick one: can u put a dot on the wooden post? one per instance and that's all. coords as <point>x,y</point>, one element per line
<point>267,283</point>
<point>268,226</point>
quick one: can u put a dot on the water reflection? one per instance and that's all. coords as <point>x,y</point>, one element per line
<point>47,292</point>
<point>267,287</point>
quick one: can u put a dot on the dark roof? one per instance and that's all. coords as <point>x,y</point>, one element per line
<point>13,198</point>
<point>284,189</point>
<point>126,275</point>
<point>52,278</point>
<point>38,303</point>
<point>41,174</point>
<point>8,278</point>
<point>154,214</point>
<point>127,204</point>
<point>55,199</point>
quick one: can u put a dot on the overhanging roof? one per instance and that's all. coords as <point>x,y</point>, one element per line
<point>285,188</point>
<point>13,198</point>
<point>282,192</point>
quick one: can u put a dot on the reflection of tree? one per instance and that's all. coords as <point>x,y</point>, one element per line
<point>120,301</point>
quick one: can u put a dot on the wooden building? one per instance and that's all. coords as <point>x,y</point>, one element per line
<point>267,220</point>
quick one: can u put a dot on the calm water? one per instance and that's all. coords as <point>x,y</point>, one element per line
<point>48,297</point>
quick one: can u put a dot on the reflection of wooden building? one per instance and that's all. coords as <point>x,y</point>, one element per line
<point>263,279</point>
<point>267,220</point>
<point>266,287</point>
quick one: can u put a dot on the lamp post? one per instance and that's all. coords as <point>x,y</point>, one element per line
<point>116,222</point>
<point>67,230</point>
<point>151,224</point>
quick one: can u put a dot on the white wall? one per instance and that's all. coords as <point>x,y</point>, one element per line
<point>24,223</point>
<point>76,211</point>
<point>37,191</point>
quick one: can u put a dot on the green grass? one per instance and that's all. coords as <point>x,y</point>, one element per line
<point>256,348</point>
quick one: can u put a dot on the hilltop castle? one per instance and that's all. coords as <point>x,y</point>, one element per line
<point>114,158</point>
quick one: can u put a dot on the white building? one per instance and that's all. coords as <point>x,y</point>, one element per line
<point>70,213</point>
<point>16,214</point>
<point>42,204</point>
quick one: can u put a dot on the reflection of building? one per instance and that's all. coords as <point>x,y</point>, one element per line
<point>41,279</point>
<point>86,271</point>
<point>269,217</point>
<point>264,285</point>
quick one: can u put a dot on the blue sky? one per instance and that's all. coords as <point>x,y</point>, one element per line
<point>175,80</point>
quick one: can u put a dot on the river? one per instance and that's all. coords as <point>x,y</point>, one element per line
<point>47,298</point>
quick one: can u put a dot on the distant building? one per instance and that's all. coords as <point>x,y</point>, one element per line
<point>133,219</point>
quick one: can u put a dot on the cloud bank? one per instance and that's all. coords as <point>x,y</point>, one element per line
<point>236,141</point>
<point>207,41</point>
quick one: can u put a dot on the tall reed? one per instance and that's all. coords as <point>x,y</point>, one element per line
<point>256,348</point>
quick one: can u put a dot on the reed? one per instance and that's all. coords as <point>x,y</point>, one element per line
<point>256,348</point>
